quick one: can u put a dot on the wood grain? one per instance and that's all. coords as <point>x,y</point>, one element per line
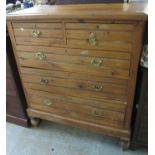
<point>38,41</point>
<point>26,25</point>
<point>73,75</point>
<point>78,52</point>
<point>99,26</point>
<point>118,30</point>
<point>104,71</point>
<point>100,35</point>
<point>112,105</point>
<point>77,108</point>
<point>137,49</point>
<point>103,129</point>
<point>76,93</point>
<point>106,62</point>
<point>76,84</point>
<point>122,11</point>
<point>44,33</point>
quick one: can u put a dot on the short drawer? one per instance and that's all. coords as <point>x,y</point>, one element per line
<point>100,36</point>
<point>38,33</point>
<point>56,105</point>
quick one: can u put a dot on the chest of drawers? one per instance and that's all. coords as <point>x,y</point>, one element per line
<point>78,64</point>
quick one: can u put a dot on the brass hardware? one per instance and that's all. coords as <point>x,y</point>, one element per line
<point>125,102</point>
<point>44,81</point>
<point>97,87</point>
<point>36,33</point>
<point>97,26</point>
<point>98,113</point>
<point>47,102</point>
<point>97,61</point>
<point>92,38</point>
<point>22,29</point>
<point>40,56</point>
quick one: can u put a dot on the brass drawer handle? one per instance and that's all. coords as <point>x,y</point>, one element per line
<point>44,81</point>
<point>47,102</point>
<point>36,33</point>
<point>40,56</point>
<point>97,87</point>
<point>97,61</point>
<point>97,113</point>
<point>99,26</point>
<point>92,38</point>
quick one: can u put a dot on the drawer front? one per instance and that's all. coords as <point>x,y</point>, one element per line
<point>106,72</point>
<point>81,60</point>
<point>99,26</point>
<point>72,75</point>
<point>56,105</point>
<point>100,87</point>
<point>57,82</point>
<point>103,65</point>
<point>75,52</point>
<point>110,105</point>
<point>94,95</point>
<point>100,36</point>
<point>38,33</point>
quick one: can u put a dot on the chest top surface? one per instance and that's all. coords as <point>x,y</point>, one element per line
<point>122,11</point>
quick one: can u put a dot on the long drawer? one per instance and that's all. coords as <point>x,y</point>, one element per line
<point>53,104</point>
<point>101,87</point>
<point>75,52</point>
<point>38,33</point>
<point>47,81</point>
<point>72,75</point>
<point>106,72</point>
<point>76,92</point>
<point>81,60</point>
<point>110,105</point>
<point>106,65</point>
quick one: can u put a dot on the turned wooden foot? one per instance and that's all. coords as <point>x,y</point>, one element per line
<point>35,121</point>
<point>125,145</point>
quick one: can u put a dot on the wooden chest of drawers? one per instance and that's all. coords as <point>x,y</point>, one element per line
<point>78,64</point>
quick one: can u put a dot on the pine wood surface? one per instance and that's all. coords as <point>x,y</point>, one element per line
<point>88,72</point>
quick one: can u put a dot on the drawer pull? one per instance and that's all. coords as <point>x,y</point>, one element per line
<point>47,102</point>
<point>44,81</point>
<point>40,56</point>
<point>97,26</point>
<point>97,113</point>
<point>92,38</point>
<point>100,26</point>
<point>97,87</point>
<point>36,33</point>
<point>97,61</point>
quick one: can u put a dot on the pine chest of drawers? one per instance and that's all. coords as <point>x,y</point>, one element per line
<point>78,63</point>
